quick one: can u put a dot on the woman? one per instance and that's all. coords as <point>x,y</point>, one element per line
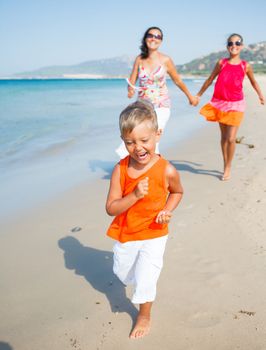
<point>151,68</point>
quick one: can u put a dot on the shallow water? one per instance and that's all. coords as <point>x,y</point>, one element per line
<point>57,133</point>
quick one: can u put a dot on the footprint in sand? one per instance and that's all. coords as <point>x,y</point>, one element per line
<point>244,312</point>
<point>181,224</point>
<point>203,320</point>
<point>76,229</point>
<point>189,206</point>
<point>207,263</point>
<point>219,280</point>
<point>211,272</point>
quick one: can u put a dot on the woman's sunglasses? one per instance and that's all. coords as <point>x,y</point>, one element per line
<point>231,43</point>
<point>155,36</point>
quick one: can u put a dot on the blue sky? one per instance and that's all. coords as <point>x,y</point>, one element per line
<point>38,33</point>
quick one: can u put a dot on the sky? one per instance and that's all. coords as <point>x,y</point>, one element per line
<point>39,33</point>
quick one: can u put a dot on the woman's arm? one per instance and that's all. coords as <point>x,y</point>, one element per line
<point>255,85</point>
<point>171,70</point>
<point>209,81</point>
<point>133,77</point>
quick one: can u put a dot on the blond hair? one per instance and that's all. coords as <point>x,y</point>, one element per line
<point>135,114</point>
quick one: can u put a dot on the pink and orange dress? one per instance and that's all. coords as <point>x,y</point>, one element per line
<point>227,105</point>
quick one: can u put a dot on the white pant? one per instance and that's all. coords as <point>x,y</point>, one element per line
<point>140,263</point>
<point>163,115</point>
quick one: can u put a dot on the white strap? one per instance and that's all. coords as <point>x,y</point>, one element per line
<point>133,86</point>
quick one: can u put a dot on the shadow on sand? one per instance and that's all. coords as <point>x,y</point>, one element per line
<point>106,166</point>
<point>180,165</point>
<point>5,346</point>
<point>96,266</point>
<point>194,168</point>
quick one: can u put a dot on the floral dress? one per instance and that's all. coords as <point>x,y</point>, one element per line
<point>152,86</point>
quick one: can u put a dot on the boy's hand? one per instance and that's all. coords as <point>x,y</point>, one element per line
<point>163,217</point>
<point>142,188</point>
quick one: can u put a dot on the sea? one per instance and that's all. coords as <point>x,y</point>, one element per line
<point>54,134</point>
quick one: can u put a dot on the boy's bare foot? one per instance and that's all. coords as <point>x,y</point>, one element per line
<point>142,327</point>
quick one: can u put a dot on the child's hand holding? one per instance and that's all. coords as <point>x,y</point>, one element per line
<point>194,100</point>
<point>163,217</point>
<point>142,188</point>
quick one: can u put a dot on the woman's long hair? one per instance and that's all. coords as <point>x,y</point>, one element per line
<point>144,52</point>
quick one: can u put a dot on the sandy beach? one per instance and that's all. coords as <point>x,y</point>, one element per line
<point>57,289</point>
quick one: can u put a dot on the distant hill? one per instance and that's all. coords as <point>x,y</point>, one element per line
<point>110,67</point>
<point>120,67</point>
<point>255,54</point>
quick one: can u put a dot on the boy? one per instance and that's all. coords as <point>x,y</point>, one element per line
<point>144,190</point>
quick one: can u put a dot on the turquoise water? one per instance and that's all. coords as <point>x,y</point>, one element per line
<point>56,133</point>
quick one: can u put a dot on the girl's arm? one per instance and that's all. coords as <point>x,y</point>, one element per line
<point>175,194</point>
<point>171,70</point>
<point>209,81</point>
<point>255,85</point>
<point>115,203</point>
<point>133,77</point>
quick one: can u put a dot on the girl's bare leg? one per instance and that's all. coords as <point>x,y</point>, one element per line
<point>143,322</point>
<point>228,144</point>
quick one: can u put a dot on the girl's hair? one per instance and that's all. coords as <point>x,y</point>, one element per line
<point>135,114</point>
<point>144,52</point>
<point>235,34</point>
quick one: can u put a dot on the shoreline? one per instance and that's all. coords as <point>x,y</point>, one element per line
<point>58,289</point>
<point>85,76</point>
<point>90,77</point>
<point>52,163</point>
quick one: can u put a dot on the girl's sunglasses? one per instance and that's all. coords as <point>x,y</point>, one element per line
<point>155,36</point>
<point>231,43</point>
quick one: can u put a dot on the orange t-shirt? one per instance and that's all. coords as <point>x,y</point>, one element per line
<point>138,222</point>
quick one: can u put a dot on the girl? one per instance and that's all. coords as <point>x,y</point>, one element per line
<point>227,104</point>
<point>151,68</point>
